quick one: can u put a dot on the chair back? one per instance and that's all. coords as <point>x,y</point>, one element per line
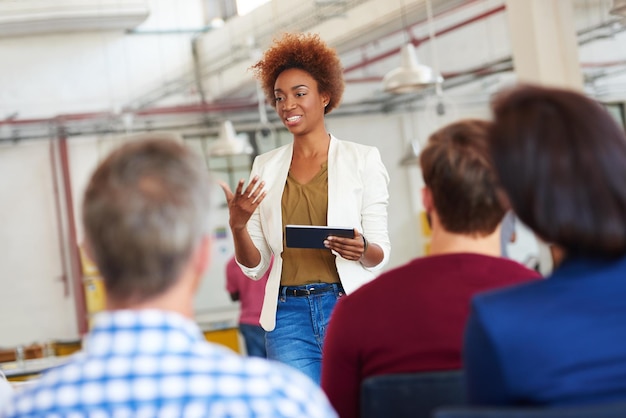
<point>614,410</point>
<point>414,395</point>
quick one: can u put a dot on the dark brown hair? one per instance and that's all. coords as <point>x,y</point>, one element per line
<point>562,160</point>
<point>306,52</point>
<point>457,169</point>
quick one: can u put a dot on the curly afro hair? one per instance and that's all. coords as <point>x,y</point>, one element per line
<point>306,52</point>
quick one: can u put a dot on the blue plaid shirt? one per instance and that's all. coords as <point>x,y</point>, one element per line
<point>152,363</point>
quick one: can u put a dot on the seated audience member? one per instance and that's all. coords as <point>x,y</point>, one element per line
<point>146,219</point>
<point>411,318</point>
<point>250,294</point>
<point>562,160</point>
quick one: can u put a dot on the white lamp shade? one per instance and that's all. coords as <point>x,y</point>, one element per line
<point>412,155</point>
<point>229,143</point>
<point>411,76</point>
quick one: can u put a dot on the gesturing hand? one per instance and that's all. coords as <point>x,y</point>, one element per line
<point>242,203</point>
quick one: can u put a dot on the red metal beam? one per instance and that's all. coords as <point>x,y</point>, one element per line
<point>72,240</point>
<point>418,41</point>
<point>59,210</point>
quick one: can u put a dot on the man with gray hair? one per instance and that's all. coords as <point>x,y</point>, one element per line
<point>146,219</point>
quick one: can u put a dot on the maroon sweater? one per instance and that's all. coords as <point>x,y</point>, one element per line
<point>408,319</point>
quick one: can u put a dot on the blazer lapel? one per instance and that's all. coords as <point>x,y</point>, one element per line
<point>334,181</point>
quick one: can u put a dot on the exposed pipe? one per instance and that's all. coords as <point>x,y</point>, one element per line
<point>244,105</point>
<point>56,184</point>
<point>484,70</point>
<point>419,41</point>
<point>155,111</point>
<point>252,103</point>
<point>196,69</point>
<point>72,240</point>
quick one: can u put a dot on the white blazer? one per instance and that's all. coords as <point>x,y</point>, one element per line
<point>357,198</point>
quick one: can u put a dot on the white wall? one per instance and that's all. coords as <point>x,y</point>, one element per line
<point>34,305</point>
<point>50,74</point>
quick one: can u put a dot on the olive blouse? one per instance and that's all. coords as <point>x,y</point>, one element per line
<point>307,204</point>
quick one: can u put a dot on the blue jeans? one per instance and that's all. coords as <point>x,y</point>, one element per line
<point>254,338</point>
<point>301,323</point>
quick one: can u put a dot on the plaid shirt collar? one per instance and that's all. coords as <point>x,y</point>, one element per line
<point>147,331</point>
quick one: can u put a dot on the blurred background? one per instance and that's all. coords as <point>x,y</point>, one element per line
<point>80,77</point>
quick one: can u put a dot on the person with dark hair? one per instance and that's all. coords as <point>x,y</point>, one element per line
<point>146,215</point>
<point>316,179</point>
<point>411,318</point>
<point>562,160</point>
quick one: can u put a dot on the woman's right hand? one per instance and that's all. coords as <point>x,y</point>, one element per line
<point>242,203</point>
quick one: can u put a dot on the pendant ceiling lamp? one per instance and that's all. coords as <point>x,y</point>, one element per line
<point>229,143</point>
<point>412,76</point>
<point>412,156</point>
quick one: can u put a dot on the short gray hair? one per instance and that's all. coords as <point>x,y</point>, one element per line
<point>145,211</point>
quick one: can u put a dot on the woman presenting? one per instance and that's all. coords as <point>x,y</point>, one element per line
<point>316,179</point>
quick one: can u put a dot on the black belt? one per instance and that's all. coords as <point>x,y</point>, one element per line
<point>290,291</point>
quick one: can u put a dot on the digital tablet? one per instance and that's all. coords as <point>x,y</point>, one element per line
<point>312,236</point>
